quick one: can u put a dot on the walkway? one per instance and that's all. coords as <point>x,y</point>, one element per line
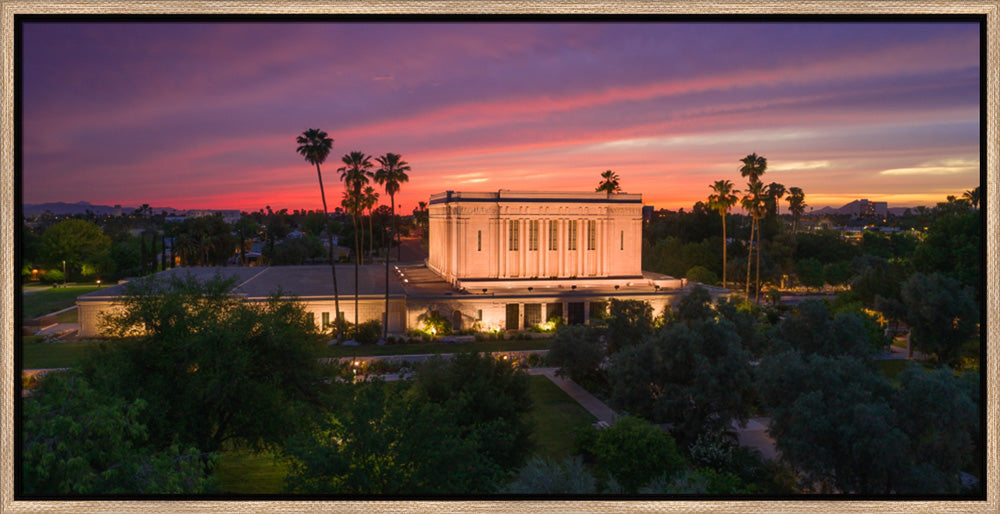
<point>586,400</point>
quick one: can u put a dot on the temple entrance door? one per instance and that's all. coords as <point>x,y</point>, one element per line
<point>575,314</point>
<point>513,315</point>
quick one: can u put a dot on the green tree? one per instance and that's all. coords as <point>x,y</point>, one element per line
<point>693,375</point>
<point>544,476</point>
<point>810,273</point>
<point>941,418</point>
<point>355,174</point>
<point>212,367</point>
<point>723,199</point>
<point>459,428</point>
<point>77,242</point>
<point>245,228</point>
<point>952,246</point>
<point>391,174</point>
<point>315,146</point>
<point>78,440</point>
<point>628,322</point>
<point>632,451</point>
<point>972,196</point>
<point>941,313</point>
<point>832,419</point>
<point>609,183</point>
<point>813,329</point>
<point>577,351</point>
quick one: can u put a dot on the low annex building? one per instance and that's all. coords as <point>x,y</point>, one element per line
<point>501,260</point>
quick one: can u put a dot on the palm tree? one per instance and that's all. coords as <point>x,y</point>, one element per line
<point>972,196</point>
<point>753,202</point>
<point>721,201</point>
<point>355,173</point>
<point>610,183</point>
<point>391,173</point>
<point>370,200</point>
<point>315,146</point>
<point>753,167</point>
<point>796,205</point>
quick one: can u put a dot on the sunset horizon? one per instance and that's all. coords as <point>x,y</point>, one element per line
<point>205,115</point>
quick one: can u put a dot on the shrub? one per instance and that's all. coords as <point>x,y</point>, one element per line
<point>703,275</point>
<point>368,332</point>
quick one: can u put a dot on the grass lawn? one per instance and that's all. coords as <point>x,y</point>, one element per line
<point>434,348</point>
<point>69,316</point>
<point>247,472</point>
<point>37,354</point>
<point>555,417</point>
<point>51,300</point>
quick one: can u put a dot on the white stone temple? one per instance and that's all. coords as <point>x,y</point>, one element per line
<point>505,260</point>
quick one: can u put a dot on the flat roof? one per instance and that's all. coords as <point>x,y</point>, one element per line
<point>505,195</point>
<point>305,282</point>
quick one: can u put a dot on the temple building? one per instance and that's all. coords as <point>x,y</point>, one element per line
<point>504,260</point>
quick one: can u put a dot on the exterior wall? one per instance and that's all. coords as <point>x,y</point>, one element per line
<point>494,309</point>
<point>368,309</point>
<point>89,315</point>
<point>489,235</point>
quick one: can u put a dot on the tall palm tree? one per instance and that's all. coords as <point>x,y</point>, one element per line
<point>721,201</point>
<point>753,202</point>
<point>610,183</point>
<point>796,205</point>
<point>355,174</point>
<point>972,196</point>
<point>315,146</point>
<point>753,167</point>
<point>370,200</point>
<point>391,173</point>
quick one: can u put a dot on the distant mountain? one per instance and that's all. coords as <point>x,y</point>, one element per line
<point>852,208</point>
<point>63,208</point>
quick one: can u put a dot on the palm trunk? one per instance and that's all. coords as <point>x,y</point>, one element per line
<point>333,269</point>
<point>753,223</point>
<point>357,259</point>
<point>385,322</point>
<point>756,294</point>
<point>723,249</point>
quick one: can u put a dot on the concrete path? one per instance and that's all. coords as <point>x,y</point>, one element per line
<point>755,435</point>
<point>59,329</point>
<point>586,400</point>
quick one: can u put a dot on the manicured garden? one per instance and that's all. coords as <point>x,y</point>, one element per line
<point>556,418</point>
<point>38,354</point>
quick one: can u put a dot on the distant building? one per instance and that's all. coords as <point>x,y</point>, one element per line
<point>501,260</point>
<point>229,216</point>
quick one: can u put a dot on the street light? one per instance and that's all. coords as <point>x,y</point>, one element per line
<point>64,273</point>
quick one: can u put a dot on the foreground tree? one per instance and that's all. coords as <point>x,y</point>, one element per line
<point>632,452</point>
<point>78,440</point>
<point>723,199</point>
<point>212,367</point>
<point>391,174</point>
<point>458,429</point>
<point>941,313</point>
<point>315,146</point>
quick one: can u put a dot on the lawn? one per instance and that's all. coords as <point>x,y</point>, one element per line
<point>555,417</point>
<point>247,472</point>
<point>37,354</point>
<point>50,300</point>
<point>434,348</point>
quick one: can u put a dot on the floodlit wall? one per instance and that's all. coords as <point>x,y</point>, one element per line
<point>531,235</point>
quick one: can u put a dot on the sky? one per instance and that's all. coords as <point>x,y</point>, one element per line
<point>205,115</point>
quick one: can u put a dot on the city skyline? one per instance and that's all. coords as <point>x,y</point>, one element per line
<point>204,116</point>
